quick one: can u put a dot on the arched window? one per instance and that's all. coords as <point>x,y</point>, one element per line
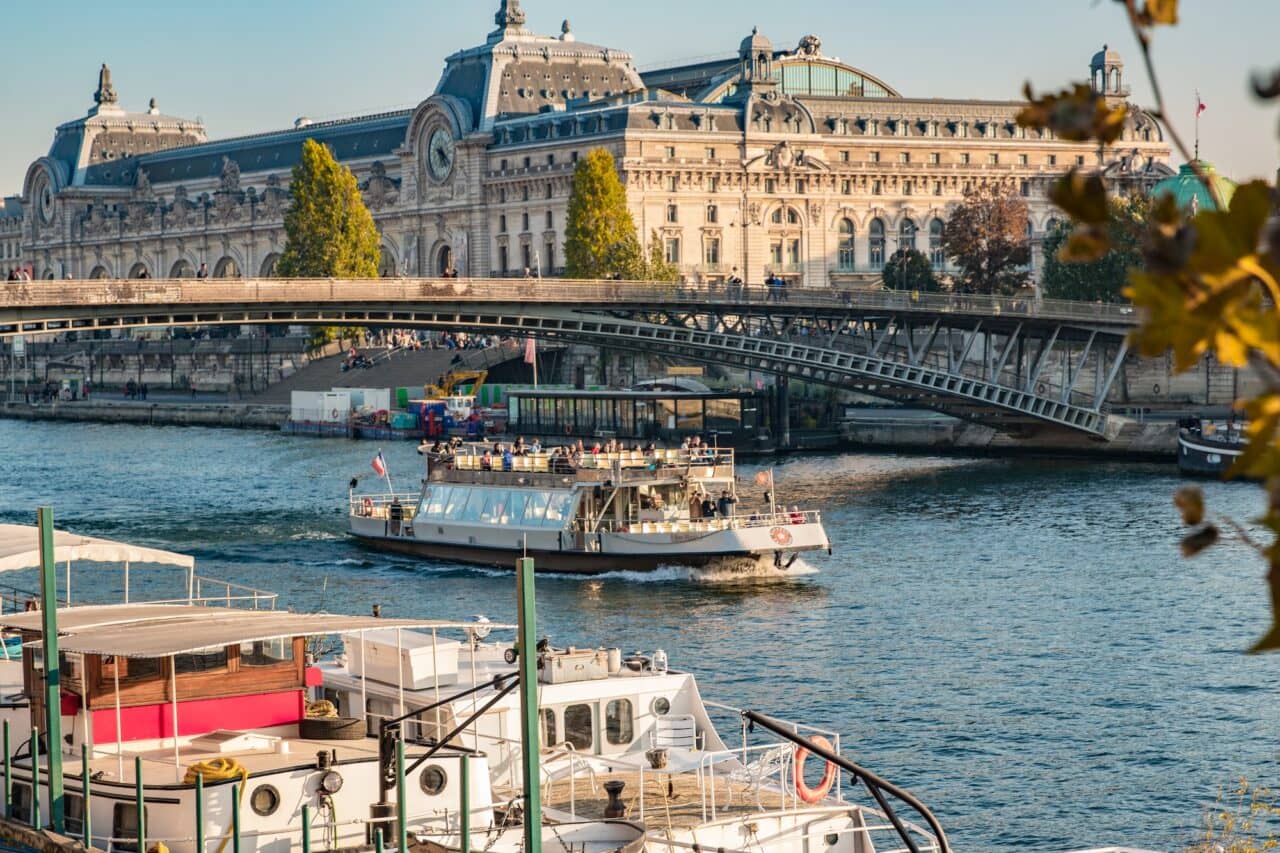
<point>876,243</point>
<point>139,270</point>
<point>846,245</point>
<point>268,268</point>
<point>226,268</point>
<point>387,264</point>
<point>99,272</point>
<point>936,256</point>
<point>182,269</point>
<point>907,234</point>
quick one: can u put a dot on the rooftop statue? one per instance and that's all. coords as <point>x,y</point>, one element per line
<point>106,93</point>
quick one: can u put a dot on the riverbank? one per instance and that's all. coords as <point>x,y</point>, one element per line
<point>147,413</point>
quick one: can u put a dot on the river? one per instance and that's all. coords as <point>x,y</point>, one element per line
<point>1015,641</point>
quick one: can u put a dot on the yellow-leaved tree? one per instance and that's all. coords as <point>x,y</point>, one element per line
<point>329,231</point>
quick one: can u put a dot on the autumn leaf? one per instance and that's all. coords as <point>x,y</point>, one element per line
<point>1160,12</point>
<point>1082,197</point>
<point>1197,541</point>
<point>1078,114</point>
<point>1190,503</point>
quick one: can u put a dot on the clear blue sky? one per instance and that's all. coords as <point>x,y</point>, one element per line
<point>252,65</point>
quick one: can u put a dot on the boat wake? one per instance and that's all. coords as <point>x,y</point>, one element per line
<point>738,570</point>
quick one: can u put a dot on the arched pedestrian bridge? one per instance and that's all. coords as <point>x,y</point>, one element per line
<point>1012,363</point>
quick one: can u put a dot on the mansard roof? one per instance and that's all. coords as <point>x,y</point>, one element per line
<point>377,135</point>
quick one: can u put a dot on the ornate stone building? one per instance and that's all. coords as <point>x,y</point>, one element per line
<point>768,160</point>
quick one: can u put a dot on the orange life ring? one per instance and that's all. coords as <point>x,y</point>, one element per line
<point>368,507</point>
<point>803,791</point>
<point>780,535</point>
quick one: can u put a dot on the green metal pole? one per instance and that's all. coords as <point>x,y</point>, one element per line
<point>235,819</point>
<point>8,775</point>
<point>52,675</point>
<point>377,840</point>
<point>140,800</point>
<point>465,806</point>
<point>306,830</point>
<point>199,813</point>
<point>86,819</point>
<point>35,778</point>
<point>402,821</point>
<point>528,639</point>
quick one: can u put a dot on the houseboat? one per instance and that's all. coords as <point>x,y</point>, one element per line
<point>1208,450</point>
<point>582,512</point>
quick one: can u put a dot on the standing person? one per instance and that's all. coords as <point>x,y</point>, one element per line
<point>726,504</point>
<point>734,284</point>
<point>203,272</point>
<point>709,508</point>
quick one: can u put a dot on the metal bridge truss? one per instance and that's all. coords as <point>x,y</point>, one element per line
<point>1008,373</point>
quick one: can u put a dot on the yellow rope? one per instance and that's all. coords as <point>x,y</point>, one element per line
<point>322,708</point>
<point>219,770</point>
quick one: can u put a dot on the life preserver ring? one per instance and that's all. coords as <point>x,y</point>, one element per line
<point>780,535</point>
<point>368,507</point>
<point>803,791</point>
<point>334,414</point>
<point>1155,389</point>
<point>1040,389</point>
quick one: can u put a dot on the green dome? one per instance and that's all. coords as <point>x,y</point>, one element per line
<point>1190,193</point>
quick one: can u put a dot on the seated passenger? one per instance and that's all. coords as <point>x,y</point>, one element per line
<point>486,462</point>
<point>797,517</point>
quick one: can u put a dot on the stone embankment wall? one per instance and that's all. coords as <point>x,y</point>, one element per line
<point>19,836</point>
<point>152,414</point>
<point>1153,440</point>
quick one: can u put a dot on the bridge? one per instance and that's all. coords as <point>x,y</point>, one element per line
<point>1015,364</point>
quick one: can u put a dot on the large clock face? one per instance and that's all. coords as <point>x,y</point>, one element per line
<point>440,154</point>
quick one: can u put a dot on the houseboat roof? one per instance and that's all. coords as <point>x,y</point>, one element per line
<point>156,631</point>
<point>20,549</point>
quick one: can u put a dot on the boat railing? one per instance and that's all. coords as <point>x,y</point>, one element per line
<point>200,590</point>
<point>472,458</point>
<point>379,506</point>
<point>709,525</point>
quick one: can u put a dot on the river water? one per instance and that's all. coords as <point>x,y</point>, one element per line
<point>1015,641</point>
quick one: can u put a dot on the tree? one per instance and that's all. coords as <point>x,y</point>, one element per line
<point>329,232</point>
<point>1102,280</point>
<point>600,235</point>
<point>909,269</point>
<point>986,237</point>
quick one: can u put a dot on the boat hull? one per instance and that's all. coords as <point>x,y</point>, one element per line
<point>558,562</point>
<point>1203,457</point>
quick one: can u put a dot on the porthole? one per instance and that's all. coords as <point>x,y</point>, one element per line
<point>433,780</point>
<point>264,800</point>
<point>661,706</point>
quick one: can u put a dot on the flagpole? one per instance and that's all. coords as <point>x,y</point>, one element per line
<point>1198,111</point>
<point>386,472</point>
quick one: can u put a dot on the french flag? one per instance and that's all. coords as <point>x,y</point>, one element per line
<point>380,465</point>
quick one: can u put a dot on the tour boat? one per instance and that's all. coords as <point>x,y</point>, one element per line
<point>1206,450</point>
<point>586,513</point>
<point>624,738</point>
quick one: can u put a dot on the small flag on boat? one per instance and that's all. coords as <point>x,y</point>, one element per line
<point>1200,106</point>
<point>380,465</point>
<point>530,351</point>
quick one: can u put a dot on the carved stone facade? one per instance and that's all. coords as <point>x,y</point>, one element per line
<point>783,161</point>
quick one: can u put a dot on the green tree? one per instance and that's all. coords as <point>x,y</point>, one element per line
<point>329,232</point>
<point>1102,280</point>
<point>909,269</point>
<point>600,235</point>
<point>986,237</point>
<point>658,267</point>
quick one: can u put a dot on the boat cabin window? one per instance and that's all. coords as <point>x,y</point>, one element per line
<point>495,506</point>
<point>74,805</point>
<point>20,807</point>
<point>548,727</point>
<point>138,669</point>
<point>210,659</point>
<point>266,652</point>
<point>124,825</point>
<point>579,727</point>
<point>618,722</point>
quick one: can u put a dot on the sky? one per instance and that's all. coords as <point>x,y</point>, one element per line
<point>246,66</point>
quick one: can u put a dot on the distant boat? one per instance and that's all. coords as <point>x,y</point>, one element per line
<point>1206,450</point>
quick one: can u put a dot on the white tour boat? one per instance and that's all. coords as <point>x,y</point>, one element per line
<point>586,513</point>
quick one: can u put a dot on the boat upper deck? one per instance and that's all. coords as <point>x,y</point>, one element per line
<point>473,464</point>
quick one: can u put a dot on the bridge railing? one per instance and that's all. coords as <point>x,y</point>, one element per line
<point>240,292</point>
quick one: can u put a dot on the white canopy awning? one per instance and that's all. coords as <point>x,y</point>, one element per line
<point>20,549</point>
<point>154,631</point>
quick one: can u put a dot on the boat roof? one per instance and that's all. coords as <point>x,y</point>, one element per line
<point>156,631</point>
<point>20,549</point>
